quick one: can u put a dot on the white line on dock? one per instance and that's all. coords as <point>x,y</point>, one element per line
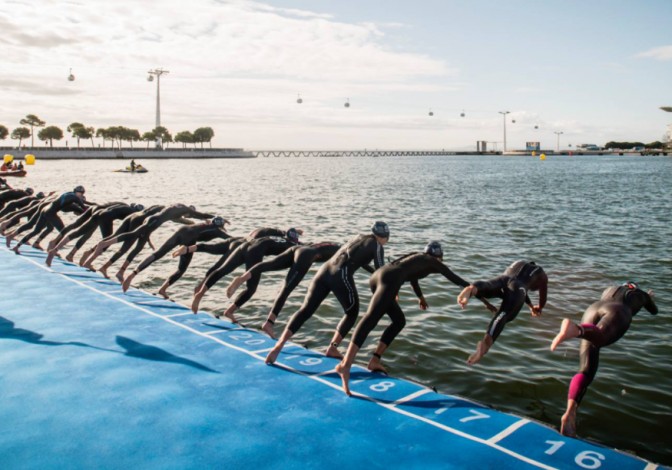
<point>412,396</point>
<point>508,431</point>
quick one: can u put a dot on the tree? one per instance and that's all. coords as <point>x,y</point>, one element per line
<point>162,134</point>
<point>20,133</point>
<point>204,134</point>
<point>4,132</point>
<point>184,137</point>
<point>148,137</point>
<point>50,133</point>
<point>104,134</point>
<point>32,121</point>
<point>73,128</point>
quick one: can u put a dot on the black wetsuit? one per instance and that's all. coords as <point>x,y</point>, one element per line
<point>187,235</point>
<point>48,218</point>
<point>226,247</point>
<point>249,253</point>
<point>101,218</point>
<point>142,233</point>
<point>129,224</point>
<point>602,324</point>
<point>336,275</point>
<point>11,195</point>
<point>385,284</point>
<point>512,287</point>
<point>17,205</point>
<point>298,260</point>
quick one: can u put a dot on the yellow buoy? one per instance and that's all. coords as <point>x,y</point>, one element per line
<point>30,159</point>
<point>8,158</point>
<point>542,156</point>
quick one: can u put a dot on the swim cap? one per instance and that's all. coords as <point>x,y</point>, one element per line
<point>78,189</point>
<point>293,235</point>
<point>380,229</point>
<point>434,248</point>
<point>39,195</point>
<point>631,285</point>
<point>137,207</point>
<point>218,221</point>
<point>193,208</point>
<point>29,191</point>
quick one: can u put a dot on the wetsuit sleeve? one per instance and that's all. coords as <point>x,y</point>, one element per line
<point>452,277</point>
<point>368,269</point>
<point>199,215</point>
<point>650,305</point>
<point>379,259</point>
<point>543,290</point>
<point>416,288</point>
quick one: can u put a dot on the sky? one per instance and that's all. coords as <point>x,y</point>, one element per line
<point>595,70</point>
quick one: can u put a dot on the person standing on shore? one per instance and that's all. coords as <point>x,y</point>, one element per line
<point>512,287</point>
<point>337,276</point>
<point>385,284</point>
<point>298,260</point>
<point>603,323</point>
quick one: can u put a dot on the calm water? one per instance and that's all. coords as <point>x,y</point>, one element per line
<point>591,222</point>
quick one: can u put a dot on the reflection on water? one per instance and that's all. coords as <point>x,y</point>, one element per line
<point>591,222</point>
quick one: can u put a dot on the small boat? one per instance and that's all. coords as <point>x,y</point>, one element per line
<point>138,169</point>
<point>13,173</point>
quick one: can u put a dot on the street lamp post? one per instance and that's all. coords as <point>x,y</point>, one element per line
<point>157,73</point>
<point>504,113</point>
<point>668,109</point>
<point>558,133</point>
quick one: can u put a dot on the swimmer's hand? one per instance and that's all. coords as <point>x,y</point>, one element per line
<point>535,310</point>
<point>650,292</point>
<point>423,303</point>
<point>463,298</point>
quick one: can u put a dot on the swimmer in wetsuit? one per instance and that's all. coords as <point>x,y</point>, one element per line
<point>183,236</point>
<point>336,275</point>
<point>602,324</point>
<point>19,204</point>
<point>176,213</point>
<point>83,228</point>
<point>9,195</point>
<point>512,287</point>
<point>47,216</point>
<point>249,253</point>
<point>298,260</point>
<point>385,284</point>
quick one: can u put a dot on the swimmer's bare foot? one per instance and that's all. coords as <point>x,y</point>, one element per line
<point>120,276</point>
<point>267,328</point>
<point>16,250</point>
<point>344,372</point>
<point>50,258</point>
<point>376,366</point>
<point>37,246</point>
<point>568,423</point>
<point>127,282</point>
<point>235,284</point>
<point>230,316</point>
<point>481,349</point>
<point>273,355</point>
<point>197,301</point>
<point>568,330</point>
<point>163,293</point>
<point>8,240</point>
<point>70,257</point>
<point>332,351</point>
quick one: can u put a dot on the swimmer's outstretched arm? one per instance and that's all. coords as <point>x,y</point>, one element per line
<point>418,292</point>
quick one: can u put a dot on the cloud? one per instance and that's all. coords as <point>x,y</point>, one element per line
<point>658,53</point>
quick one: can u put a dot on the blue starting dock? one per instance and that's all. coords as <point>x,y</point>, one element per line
<point>91,377</point>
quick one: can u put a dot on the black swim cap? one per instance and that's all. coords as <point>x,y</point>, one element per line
<point>29,191</point>
<point>78,189</point>
<point>380,229</point>
<point>39,195</point>
<point>434,248</point>
<point>293,235</point>
<point>218,221</point>
<point>137,207</point>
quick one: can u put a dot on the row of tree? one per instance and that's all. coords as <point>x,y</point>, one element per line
<point>631,145</point>
<point>115,134</point>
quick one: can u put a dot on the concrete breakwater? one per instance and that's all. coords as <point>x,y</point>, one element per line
<point>65,153</point>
